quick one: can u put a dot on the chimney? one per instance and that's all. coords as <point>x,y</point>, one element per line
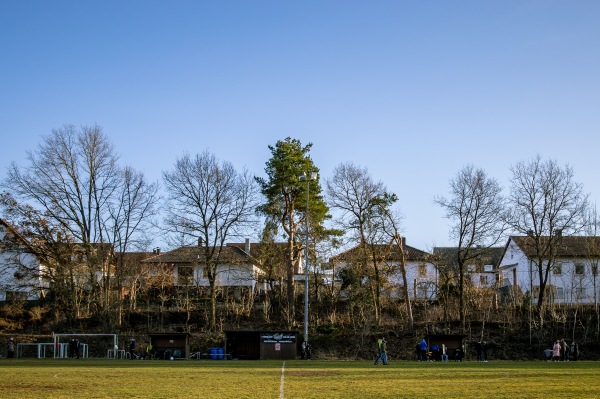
<point>247,246</point>
<point>200,241</point>
<point>403,239</point>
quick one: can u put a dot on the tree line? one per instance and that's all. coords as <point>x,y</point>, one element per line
<point>80,211</point>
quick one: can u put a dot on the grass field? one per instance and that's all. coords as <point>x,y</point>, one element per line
<point>44,378</point>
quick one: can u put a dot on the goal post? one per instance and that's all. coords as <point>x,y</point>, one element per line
<point>94,345</point>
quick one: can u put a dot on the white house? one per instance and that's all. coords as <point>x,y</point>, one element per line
<point>480,272</point>
<point>15,282</point>
<point>573,276</point>
<point>236,267</point>
<point>421,273</point>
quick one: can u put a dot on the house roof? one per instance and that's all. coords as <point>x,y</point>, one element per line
<point>568,247</point>
<point>195,254</point>
<point>259,247</point>
<point>134,257</point>
<point>385,252</point>
<point>489,256</point>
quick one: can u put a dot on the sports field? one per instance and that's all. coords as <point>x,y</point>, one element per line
<point>44,378</point>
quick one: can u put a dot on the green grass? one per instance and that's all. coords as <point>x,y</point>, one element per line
<point>44,378</point>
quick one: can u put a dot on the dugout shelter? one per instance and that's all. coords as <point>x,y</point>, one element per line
<point>262,345</point>
<point>452,342</point>
<point>167,345</point>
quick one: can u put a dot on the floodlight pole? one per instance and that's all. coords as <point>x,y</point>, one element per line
<point>308,177</point>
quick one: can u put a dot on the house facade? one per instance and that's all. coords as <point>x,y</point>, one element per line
<point>480,272</point>
<point>573,275</point>
<point>186,267</point>
<point>16,283</point>
<point>421,274</point>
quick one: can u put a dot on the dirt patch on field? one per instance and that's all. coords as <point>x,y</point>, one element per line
<point>311,373</point>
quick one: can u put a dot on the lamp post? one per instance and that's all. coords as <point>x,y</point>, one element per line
<point>308,177</point>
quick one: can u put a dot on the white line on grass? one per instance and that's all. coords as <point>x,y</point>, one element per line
<point>282,379</point>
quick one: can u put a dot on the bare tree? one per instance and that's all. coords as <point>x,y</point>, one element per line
<point>131,213</point>
<point>211,202</point>
<point>71,179</point>
<point>364,207</point>
<point>546,203</point>
<point>476,209</point>
<point>55,264</point>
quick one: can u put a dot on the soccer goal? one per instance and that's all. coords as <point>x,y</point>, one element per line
<point>84,345</point>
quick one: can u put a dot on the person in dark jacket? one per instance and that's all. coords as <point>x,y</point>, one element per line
<point>132,348</point>
<point>479,350</point>
<point>73,352</point>
<point>564,350</point>
<point>574,351</point>
<point>306,351</point>
<point>435,353</point>
<point>10,348</point>
<point>485,348</point>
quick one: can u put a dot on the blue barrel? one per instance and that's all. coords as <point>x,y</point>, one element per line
<point>213,353</point>
<point>220,352</point>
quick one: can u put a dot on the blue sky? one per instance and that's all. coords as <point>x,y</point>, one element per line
<point>411,90</point>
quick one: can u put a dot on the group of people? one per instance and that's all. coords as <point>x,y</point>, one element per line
<point>145,353</point>
<point>438,353</point>
<point>562,351</point>
<point>306,351</point>
<point>482,349</point>
<point>74,348</point>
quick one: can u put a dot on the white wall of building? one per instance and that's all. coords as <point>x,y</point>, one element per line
<point>572,279</point>
<point>13,281</point>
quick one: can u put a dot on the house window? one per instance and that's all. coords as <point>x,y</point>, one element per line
<point>557,269</point>
<point>483,280</point>
<point>185,275</point>
<point>471,268</point>
<point>580,293</point>
<point>422,270</point>
<point>579,268</point>
<point>488,268</point>
<point>422,291</point>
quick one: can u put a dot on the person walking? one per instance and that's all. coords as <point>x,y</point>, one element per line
<point>382,351</point>
<point>10,348</point>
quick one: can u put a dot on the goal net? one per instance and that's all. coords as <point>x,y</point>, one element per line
<point>84,345</point>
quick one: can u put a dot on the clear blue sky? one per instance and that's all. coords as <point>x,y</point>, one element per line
<point>412,90</point>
